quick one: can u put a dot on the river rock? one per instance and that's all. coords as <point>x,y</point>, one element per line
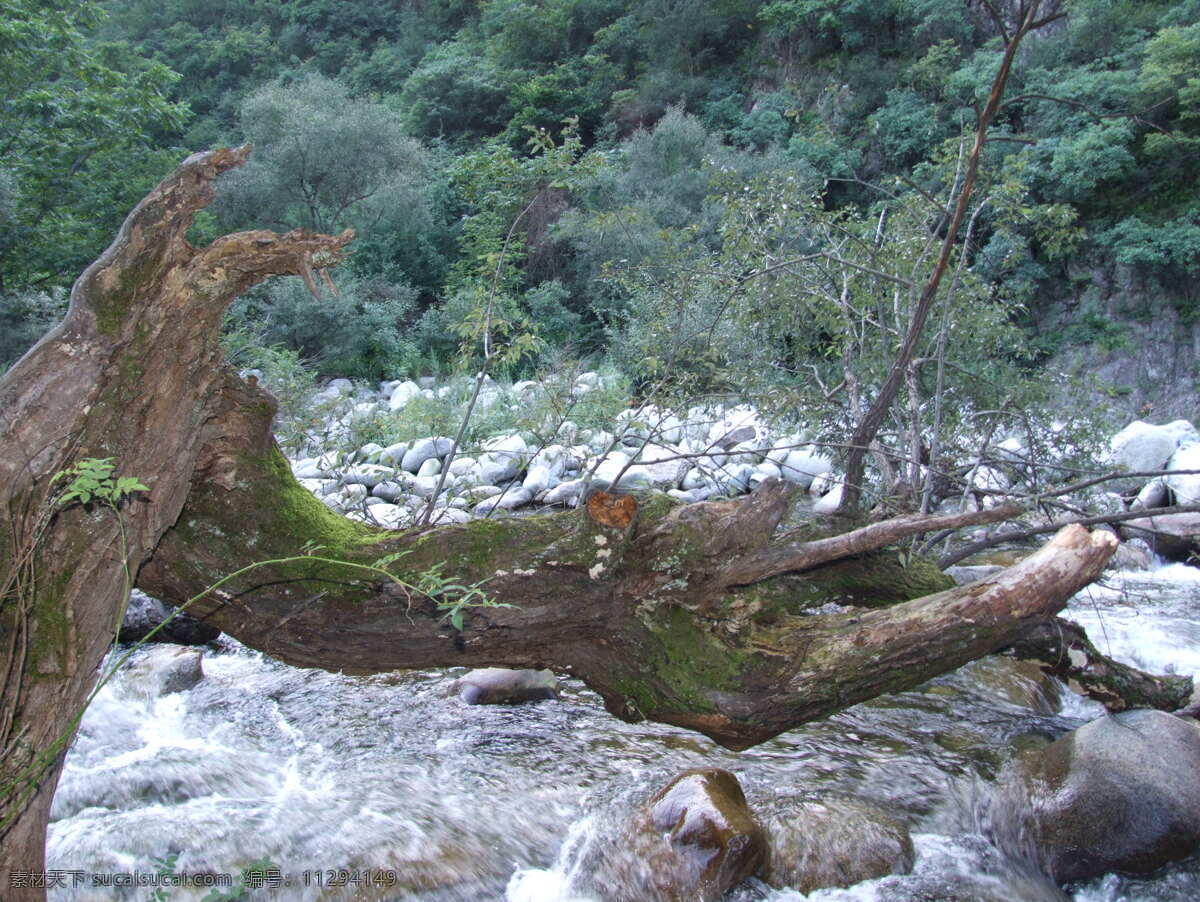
<point>460,466</point>
<point>1121,793</point>
<point>424,449</point>
<point>392,455</point>
<point>1021,683</point>
<point>802,465</point>
<point>565,492</point>
<point>988,481</point>
<point>695,840</point>
<point>1143,446</point>
<point>734,479</point>
<point>168,668</point>
<point>369,475</point>
<point>502,459</point>
<point>144,613</point>
<point>389,491</point>
<point>501,686</point>
<point>307,469</point>
<point>389,516</point>
<point>369,452</point>
<point>1185,487</point>
<point>443,515</point>
<point>431,467</point>
<point>829,502</point>
<point>537,479</point>
<point>836,842</point>
<point>505,501</point>
<point>1174,536</point>
<point>1153,494</point>
<point>402,394</point>
<point>1135,554</point>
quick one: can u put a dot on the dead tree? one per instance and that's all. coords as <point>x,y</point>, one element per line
<point>703,616</point>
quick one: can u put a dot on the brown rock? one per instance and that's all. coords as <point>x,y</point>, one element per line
<point>1173,536</point>
<point>837,842</point>
<point>696,839</point>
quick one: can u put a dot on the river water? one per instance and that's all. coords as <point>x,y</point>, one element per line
<point>311,772</point>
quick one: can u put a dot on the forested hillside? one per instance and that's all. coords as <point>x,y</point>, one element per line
<point>591,178</point>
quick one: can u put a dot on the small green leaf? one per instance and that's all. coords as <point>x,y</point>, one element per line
<point>127,484</point>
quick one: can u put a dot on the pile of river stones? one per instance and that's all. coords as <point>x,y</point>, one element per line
<point>717,451</point>
<point>705,452</point>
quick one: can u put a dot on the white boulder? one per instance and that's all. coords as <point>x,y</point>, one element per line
<point>402,394</point>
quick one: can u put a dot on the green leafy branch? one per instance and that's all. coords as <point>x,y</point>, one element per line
<point>450,597</point>
<point>92,480</point>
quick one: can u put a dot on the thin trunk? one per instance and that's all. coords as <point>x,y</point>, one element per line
<point>868,426</point>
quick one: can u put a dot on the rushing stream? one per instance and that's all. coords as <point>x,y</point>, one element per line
<point>309,772</point>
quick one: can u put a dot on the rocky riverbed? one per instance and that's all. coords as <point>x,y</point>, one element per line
<point>319,773</point>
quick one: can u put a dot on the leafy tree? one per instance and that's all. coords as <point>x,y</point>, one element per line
<point>69,110</point>
<point>360,331</point>
<point>322,160</point>
<point>454,94</point>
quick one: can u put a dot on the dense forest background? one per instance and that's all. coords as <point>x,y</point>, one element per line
<point>686,190</point>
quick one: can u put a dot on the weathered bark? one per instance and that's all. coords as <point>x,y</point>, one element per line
<point>1064,650</point>
<point>690,615</point>
<point>131,374</point>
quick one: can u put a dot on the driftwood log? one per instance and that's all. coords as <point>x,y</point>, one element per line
<point>703,616</point>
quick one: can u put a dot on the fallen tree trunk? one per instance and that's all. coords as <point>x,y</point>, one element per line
<point>701,616</point>
<point>1064,651</point>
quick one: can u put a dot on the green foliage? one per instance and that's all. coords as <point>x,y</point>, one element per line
<point>908,127</point>
<point>69,110</point>
<point>360,331</point>
<point>1101,131</point>
<point>453,94</point>
<point>24,318</point>
<point>91,479</point>
<point>322,160</point>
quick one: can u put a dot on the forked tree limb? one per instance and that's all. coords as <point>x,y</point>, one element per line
<point>649,613</point>
<point>131,374</point>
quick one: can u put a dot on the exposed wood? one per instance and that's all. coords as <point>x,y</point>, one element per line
<point>1140,519</point>
<point>784,555</point>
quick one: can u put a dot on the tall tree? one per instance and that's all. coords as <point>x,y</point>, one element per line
<point>1030,15</point>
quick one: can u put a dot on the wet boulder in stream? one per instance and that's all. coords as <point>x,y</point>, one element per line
<point>501,686</point>
<point>695,839</point>
<point>836,842</point>
<point>144,613</point>
<point>165,669</point>
<point>1121,793</point>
